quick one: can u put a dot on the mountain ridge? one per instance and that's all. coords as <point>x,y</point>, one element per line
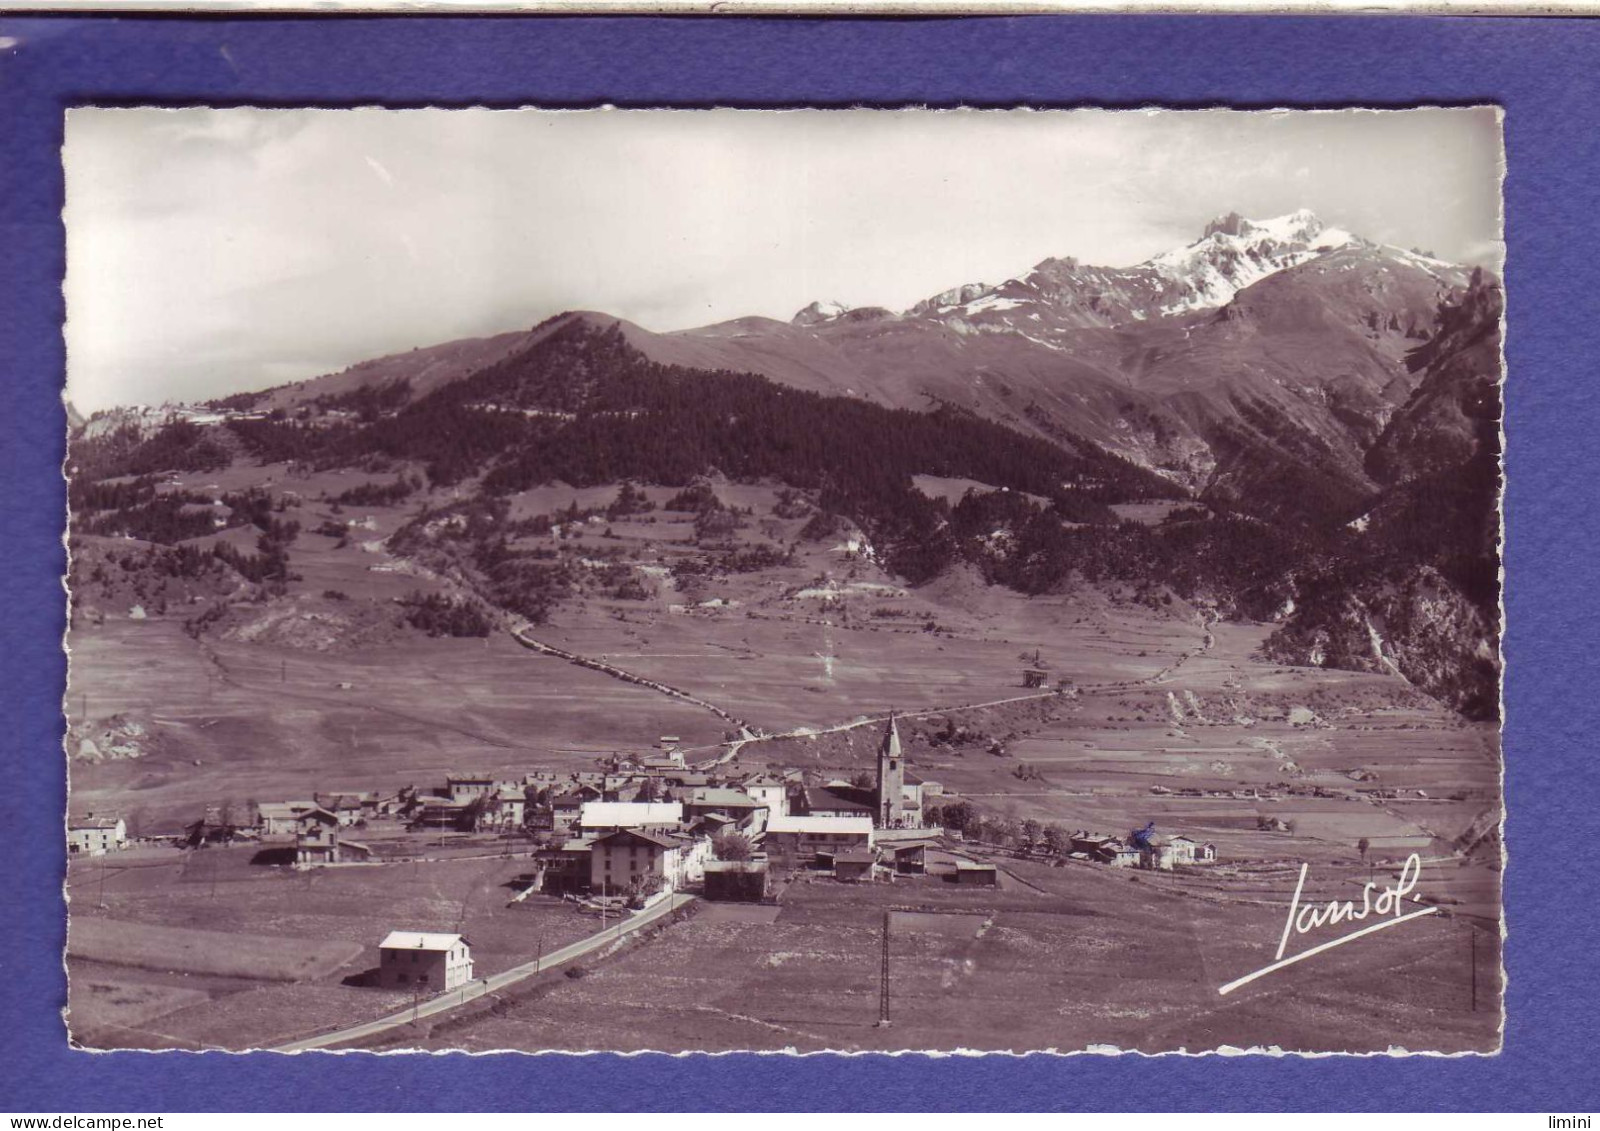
<point>1263,359</point>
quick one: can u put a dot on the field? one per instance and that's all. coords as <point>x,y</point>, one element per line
<point>1060,958</point>
<point>240,722</point>
<point>206,949</point>
<point>281,705</point>
<point>274,958</point>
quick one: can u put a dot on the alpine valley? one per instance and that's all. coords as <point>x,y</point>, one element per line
<point>1325,410</point>
<point>1206,545</point>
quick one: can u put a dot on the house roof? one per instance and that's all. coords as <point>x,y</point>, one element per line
<point>855,856</point>
<point>419,940</point>
<point>93,822</point>
<point>469,776</point>
<point>725,798</point>
<point>662,840</point>
<point>285,808</point>
<point>736,865</point>
<point>840,797</point>
<point>820,825</point>
<point>630,814</point>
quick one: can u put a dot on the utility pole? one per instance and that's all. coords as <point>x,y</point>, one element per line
<point>883,983</point>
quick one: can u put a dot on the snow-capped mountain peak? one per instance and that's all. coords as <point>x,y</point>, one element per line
<point>1061,295</point>
<point>820,311</point>
<point>1232,253</point>
<point>1236,252</point>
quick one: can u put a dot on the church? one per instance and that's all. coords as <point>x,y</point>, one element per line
<point>893,800</point>
<point>891,788</point>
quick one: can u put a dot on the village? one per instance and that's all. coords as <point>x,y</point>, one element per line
<point>626,836</point>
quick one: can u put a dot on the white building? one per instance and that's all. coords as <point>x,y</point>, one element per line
<point>95,836</point>
<point>771,792</point>
<point>621,858</point>
<point>421,960</point>
<point>282,818</point>
<point>466,786</point>
<point>799,839</point>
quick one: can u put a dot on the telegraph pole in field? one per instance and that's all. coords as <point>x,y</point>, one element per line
<point>883,982</point>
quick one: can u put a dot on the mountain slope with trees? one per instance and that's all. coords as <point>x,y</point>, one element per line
<point>1418,591</point>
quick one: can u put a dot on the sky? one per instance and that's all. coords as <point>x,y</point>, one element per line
<point>211,251</point>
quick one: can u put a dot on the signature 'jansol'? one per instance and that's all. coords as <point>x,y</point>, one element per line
<point>1388,905</point>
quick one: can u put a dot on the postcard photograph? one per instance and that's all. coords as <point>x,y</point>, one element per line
<point>855,580</point>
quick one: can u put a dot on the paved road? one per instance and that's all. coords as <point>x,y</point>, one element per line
<point>458,997</point>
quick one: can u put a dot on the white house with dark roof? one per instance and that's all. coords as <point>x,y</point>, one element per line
<point>347,807</point>
<point>89,835</point>
<point>626,856</point>
<point>423,961</point>
<point>734,803</point>
<point>466,785</point>
<point>799,839</point>
<point>507,808</point>
<point>282,818</point>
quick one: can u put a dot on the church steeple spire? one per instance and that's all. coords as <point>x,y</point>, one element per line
<point>889,747</point>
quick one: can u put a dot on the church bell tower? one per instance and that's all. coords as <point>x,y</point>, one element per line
<point>891,778</point>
